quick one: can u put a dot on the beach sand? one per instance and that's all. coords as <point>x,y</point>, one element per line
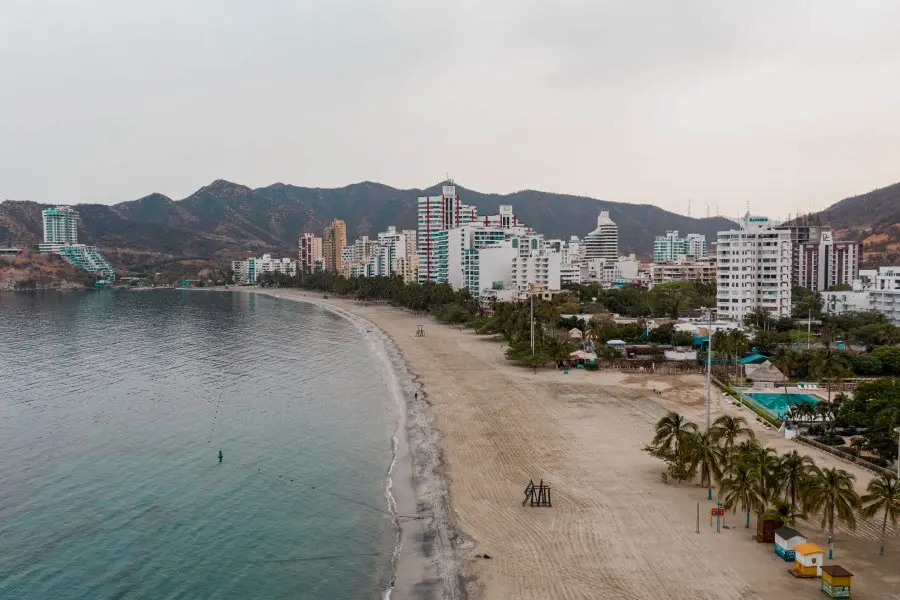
<point>615,529</point>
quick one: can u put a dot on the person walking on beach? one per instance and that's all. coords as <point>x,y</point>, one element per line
<point>220,457</point>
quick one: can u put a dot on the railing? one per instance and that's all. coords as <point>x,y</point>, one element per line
<point>861,462</point>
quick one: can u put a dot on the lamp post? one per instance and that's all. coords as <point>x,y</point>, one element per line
<point>708,382</point>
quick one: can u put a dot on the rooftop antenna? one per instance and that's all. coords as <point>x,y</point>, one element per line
<point>689,207</point>
<point>707,211</point>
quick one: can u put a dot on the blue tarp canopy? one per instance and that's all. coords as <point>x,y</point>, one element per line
<point>752,359</point>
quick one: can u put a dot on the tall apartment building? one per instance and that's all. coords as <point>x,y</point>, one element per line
<point>60,227</point>
<point>356,259</point>
<point>61,237</point>
<point>310,252</point>
<point>463,244</point>
<point>884,293</point>
<point>603,242</point>
<point>753,268</point>
<point>671,246</point>
<point>827,263</point>
<point>802,232</point>
<point>333,244</point>
<point>539,267</point>
<point>436,216</point>
<point>248,271</point>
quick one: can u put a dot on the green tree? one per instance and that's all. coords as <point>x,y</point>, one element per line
<point>671,298</point>
<point>741,487</point>
<point>728,429</point>
<point>706,457</point>
<point>672,431</point>
<point>889,357</point>
<point>882,495</point>
<point>829,366</point>
<point>795,471</point>
<point>830,492</point>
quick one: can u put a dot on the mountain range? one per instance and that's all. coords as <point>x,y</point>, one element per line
<point>225,220</point>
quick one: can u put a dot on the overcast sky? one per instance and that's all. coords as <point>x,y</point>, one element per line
<point>788,105</point>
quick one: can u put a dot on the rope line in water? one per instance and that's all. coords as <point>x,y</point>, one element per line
<point>289,480</point>
<point>215,416</point>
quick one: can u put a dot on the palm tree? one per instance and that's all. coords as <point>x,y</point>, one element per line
<point>767,465</point>
<point>672,431</point>
<point>742,487</point>
<point>882,495</point>
<point>830,491</point>
<point>783,512</point>
<point>794,473</point>
<point>829,366</point>
<point>705,455</point>
<point>785,360</point>
<point>739,344</point>
<point>728,429</point>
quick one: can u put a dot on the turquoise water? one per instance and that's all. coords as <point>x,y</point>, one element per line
<point>777,404</point>
<point>113,406</point>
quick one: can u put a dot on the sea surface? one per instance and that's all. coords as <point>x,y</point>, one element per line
<point>113,408</point>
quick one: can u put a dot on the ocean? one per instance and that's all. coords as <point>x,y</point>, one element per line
<point>113,408</point>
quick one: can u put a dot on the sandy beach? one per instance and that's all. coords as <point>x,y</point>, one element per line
<point>615,529</point>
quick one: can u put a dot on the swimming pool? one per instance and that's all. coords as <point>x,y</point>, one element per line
<point>777,404</point>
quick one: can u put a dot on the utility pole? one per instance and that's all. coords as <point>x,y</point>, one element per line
<point>531,293</point>
<point>809,328</point>
<point>708,382</point>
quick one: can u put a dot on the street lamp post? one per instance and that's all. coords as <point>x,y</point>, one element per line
<point>708,384</point>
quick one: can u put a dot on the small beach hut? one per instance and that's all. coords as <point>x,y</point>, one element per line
<point>836,581</point>
<point>808,559</point>
<point>786,539</point>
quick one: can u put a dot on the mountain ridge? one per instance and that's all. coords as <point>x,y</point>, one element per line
<point>225,220</point>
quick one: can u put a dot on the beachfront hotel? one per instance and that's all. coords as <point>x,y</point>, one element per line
<point>333,245</point>
<point>248,271</point>
<point>753,269</point>
<point>61,238</point>
<point>310,252</point>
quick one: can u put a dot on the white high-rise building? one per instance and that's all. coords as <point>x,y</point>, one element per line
<point>695,245</point>
<point>753,268</point>
<point>395,255</point>
<point>60,227</point>
<point>462,253</point>
<point>671,246</point>
<point>436,216</point>
<point>248,271</point>
<point>310,252</point>
<point>603,242</point>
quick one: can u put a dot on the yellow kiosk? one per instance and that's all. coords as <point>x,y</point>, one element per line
<point>808,559</point>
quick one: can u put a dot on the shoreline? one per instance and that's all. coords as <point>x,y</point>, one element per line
<point>423,563</point>
<point>615,527</point>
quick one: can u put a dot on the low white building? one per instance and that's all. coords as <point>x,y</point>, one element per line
<point>884,293</point>
<point>248,271</point>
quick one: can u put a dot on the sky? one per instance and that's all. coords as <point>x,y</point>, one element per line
<point>782,106</point>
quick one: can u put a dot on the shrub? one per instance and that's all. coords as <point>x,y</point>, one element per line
<point>830,439</point>
<point>591,367</point>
